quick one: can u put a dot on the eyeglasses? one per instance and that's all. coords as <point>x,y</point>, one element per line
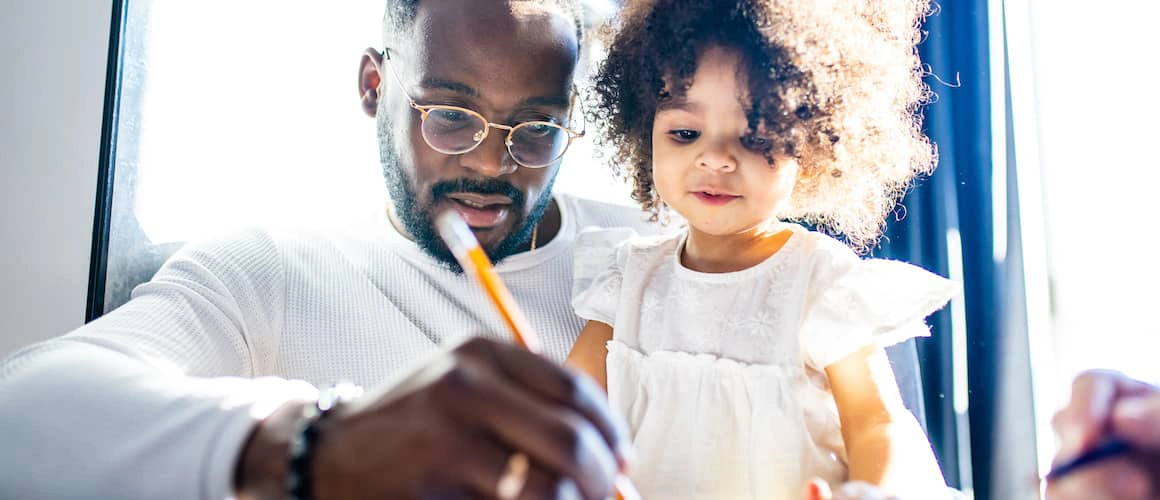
<point>453,130</point>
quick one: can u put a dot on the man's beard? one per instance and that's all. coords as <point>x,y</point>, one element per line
<point>418,219</point>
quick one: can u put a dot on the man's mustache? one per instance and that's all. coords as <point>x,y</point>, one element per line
<point>481,186</point>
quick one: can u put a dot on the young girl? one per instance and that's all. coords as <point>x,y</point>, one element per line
<point>746,353</point>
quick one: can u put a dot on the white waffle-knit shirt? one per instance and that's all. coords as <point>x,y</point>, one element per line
<point>155,399</point>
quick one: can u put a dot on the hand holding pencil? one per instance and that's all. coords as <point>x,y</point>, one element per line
<point>476,263</point>
<point>1109,440</point>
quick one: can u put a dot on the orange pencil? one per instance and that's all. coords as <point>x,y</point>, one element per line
<point>476,263</point>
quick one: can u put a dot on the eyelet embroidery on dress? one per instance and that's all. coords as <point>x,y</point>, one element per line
<point>753,319</point>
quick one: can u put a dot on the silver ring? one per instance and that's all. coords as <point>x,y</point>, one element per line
<point>514,478</point>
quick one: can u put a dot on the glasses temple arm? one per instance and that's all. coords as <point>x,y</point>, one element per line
<point>395,75</point>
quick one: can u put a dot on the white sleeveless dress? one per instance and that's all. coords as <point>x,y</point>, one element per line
<point>721,376</point>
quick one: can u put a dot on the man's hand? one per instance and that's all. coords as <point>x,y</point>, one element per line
<point>449,430</point>
<point>1105,404</point>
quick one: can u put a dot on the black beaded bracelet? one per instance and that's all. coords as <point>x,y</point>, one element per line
<point>299,482</point>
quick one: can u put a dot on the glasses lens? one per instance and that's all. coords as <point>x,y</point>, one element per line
<point>452,130</point>
<point>538,144</point>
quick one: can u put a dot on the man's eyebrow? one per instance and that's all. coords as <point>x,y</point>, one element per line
<point>548,101</point>
<point>450,85</point>
<point>433,83</point>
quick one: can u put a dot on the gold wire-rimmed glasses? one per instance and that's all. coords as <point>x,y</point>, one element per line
<point>453,130</point>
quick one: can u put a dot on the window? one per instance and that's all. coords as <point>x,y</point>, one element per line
<point>1082,117</point>
<point>235,114</point>
<point>1096,120</point>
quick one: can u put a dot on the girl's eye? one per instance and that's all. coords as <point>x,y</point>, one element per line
<point>684,135</point>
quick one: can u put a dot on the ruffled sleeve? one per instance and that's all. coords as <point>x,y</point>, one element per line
<point>853,303</point>
<point>598,272</point>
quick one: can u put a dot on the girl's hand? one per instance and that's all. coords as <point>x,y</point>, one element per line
<point>818,489</point>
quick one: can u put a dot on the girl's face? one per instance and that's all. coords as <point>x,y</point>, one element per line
<point>704,165</point>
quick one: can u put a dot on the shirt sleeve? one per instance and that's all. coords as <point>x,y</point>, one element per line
<point>599,272</point>
<point>152,400</point>
<point>853,303</point>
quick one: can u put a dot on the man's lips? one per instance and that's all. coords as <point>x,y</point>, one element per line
<point>480,200</point>
<point>480,211</point>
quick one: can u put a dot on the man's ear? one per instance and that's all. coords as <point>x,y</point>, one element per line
<point>370,80</point>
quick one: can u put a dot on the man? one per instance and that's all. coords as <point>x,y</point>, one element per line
<point>1105,404</point>
<point>187,391</point>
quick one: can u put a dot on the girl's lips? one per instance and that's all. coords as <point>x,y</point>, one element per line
<point>714,199</point>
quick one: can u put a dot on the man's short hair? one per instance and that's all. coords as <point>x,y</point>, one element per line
<point>399,16</point>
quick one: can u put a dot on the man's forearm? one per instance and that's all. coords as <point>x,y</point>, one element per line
<point>80,420</point>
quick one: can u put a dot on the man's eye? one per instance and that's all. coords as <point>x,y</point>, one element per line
<point>684,135</point>
<point>448,115</point>
<point>539,129</point>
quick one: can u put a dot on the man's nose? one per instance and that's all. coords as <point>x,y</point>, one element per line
<point>491,157</point>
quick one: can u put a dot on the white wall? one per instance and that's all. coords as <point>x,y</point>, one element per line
<point>52,81</point>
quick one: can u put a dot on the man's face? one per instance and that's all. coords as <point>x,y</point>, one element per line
<point>511,63</point>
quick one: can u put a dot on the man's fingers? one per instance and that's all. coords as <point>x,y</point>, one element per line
<point>544,484</point>
<point>561,386</point>
<point>484,462</point>
<point>1137,420</point>
<point>558,439</point>
<point>1119,479</point>
<point>553,436</point>
<point>491,464</point>
<point>1086,418</point>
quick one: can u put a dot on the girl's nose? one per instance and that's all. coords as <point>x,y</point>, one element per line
<point>717,159</point>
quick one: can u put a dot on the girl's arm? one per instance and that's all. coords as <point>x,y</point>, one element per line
<point>591,351</point>
<point>884,443</point>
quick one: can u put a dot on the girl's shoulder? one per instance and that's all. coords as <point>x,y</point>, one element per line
<point>621,244</point>
<point>601,260</point>
<point>834,265</point>
<point>851,301</point>
<point>823,248</point>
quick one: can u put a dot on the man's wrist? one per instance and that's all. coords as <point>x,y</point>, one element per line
<point>307,434</point>
<point>262,469</point>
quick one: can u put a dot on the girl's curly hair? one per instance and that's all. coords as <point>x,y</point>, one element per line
<point>837,84</point>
